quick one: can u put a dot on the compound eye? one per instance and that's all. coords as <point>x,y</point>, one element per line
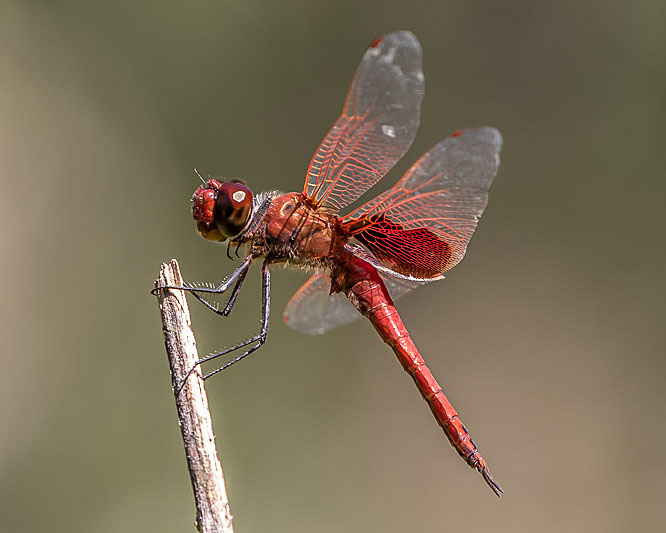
<point>233,208</point>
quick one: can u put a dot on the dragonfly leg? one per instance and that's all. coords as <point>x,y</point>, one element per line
<point>257,217</point>
<point>221,288</point>
<point>232,299</point>
<point>255,342</point>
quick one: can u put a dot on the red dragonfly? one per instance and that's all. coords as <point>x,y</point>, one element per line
<point>403,238</point>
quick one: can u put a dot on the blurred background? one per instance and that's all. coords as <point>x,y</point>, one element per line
<point>548,337</point>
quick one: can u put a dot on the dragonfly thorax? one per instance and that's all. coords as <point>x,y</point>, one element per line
<point>293,230</point>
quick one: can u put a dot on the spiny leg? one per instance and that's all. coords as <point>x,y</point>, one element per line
<point>259,339</point>
<point>221,288</point>
<point>232,299</point>
<point>256,220</point>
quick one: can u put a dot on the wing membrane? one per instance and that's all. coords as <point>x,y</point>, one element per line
<point>420,228</point>
<point>377,126</point>
<point>314,310</point>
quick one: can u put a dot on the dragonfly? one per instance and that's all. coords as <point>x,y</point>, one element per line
<point>362,261</point>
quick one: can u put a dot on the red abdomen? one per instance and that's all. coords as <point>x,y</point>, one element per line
<point>366,290</point>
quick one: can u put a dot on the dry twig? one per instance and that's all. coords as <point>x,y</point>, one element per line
<point>213,512</point>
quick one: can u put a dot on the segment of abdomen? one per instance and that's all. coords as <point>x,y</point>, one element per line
<point>370,297</point>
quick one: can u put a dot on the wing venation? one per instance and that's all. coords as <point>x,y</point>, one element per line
<point>314,310</point>
<point>421,227</point>
<point>377,126</point>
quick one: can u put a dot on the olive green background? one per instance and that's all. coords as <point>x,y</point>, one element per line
<point>548,337</point>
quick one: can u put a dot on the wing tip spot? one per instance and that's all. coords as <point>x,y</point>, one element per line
<point>376,42</point>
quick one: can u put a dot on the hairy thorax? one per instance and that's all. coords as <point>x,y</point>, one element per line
<point>294,231</point>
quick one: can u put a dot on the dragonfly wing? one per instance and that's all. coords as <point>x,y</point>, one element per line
<point>314,310</point>
<point>385,271</point>
<point>399,286</point>
<point>420,228</point>
<point>377,126</point>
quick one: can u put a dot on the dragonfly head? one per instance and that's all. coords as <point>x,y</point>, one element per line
<point>221,209</point>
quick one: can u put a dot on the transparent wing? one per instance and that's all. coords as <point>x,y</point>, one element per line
<point>313,310</point>
<point>385,271</point>
<point>420,228</point>
<point>378,124</point>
